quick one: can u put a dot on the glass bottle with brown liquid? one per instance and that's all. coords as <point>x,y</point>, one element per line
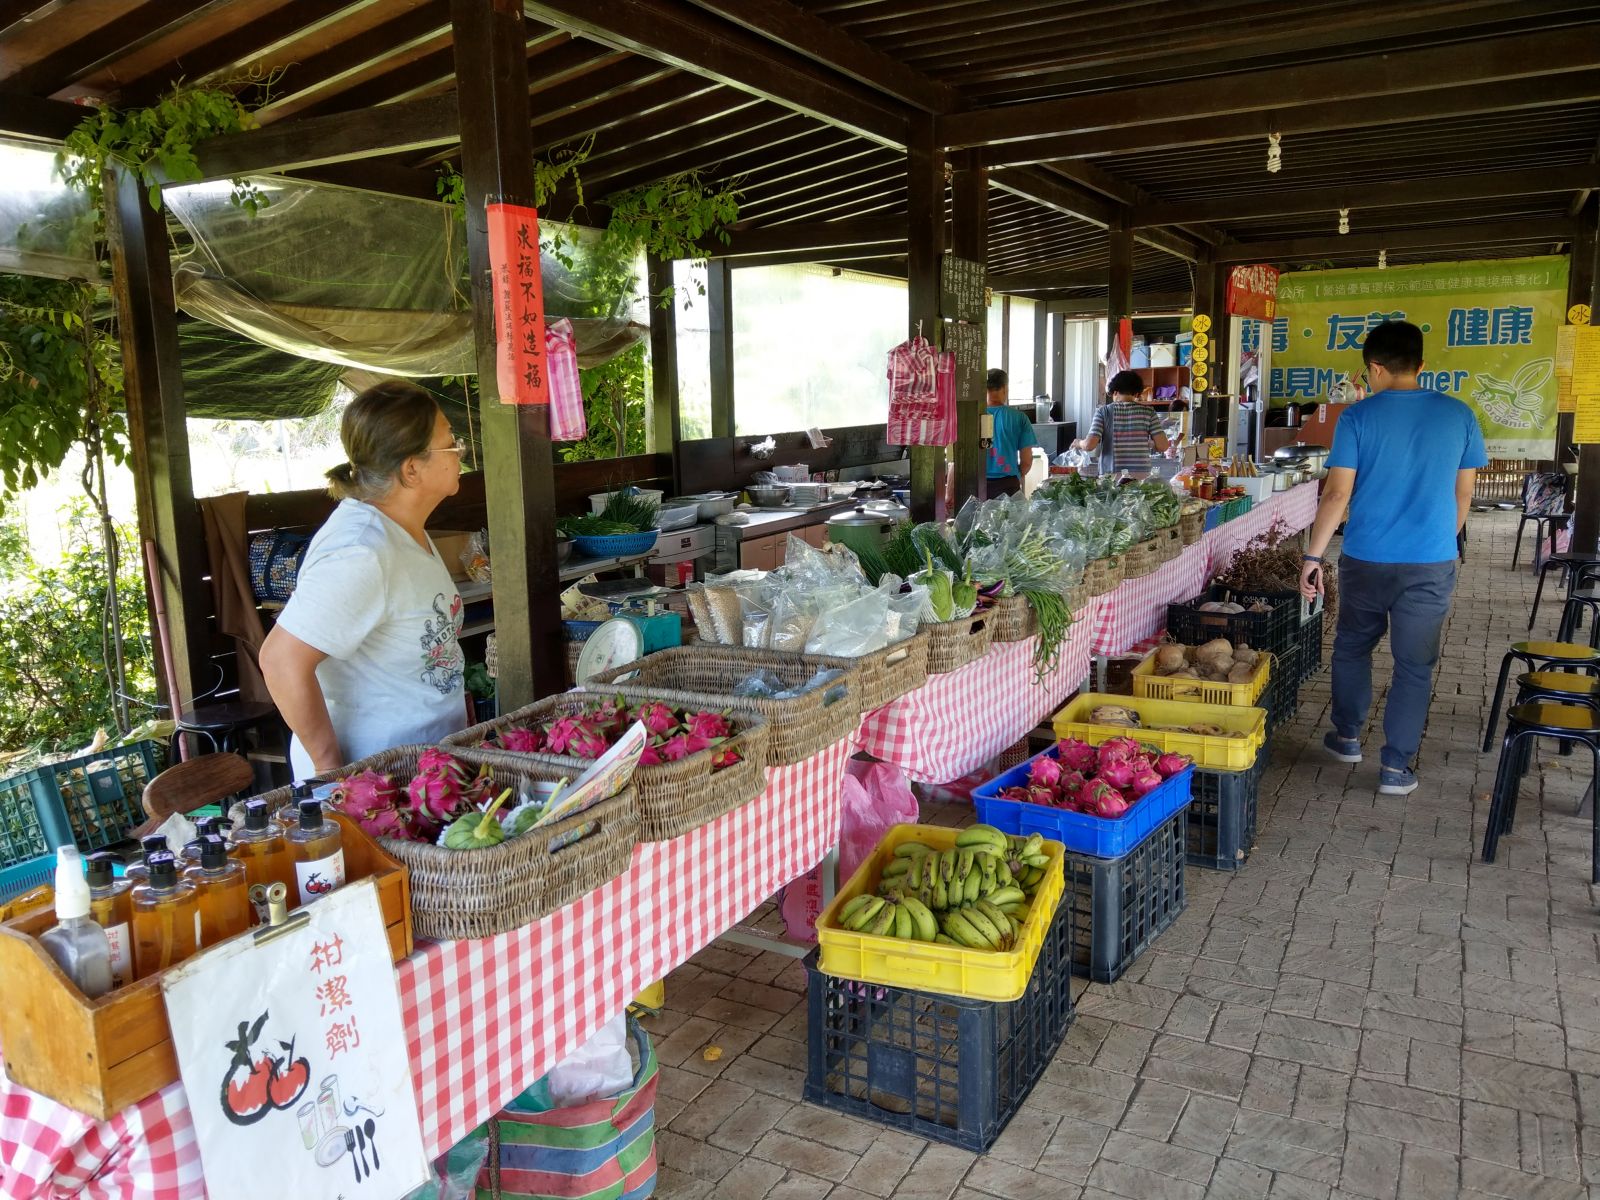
<point>260,847</point>
<point>224,896</point>
<point>317,851</point>
<point>166,918</point>
<point>138,872</point>
<point>111,908</point>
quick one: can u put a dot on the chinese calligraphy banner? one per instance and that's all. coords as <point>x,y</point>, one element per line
<point>518,305</point>
<point>293,1054</point>
<point>1253,292</point>
<point>1489,331</point>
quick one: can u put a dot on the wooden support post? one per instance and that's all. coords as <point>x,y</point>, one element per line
<point>1221,335</point>
<point>1120,274</point>
<point>491,57</point>
<point>1058,362</point>
<point>1580,289</point>
<point>719,314</point>
<point>969,238</point>
<point>1041,350</point>
<point>663,430</point>
<point>1583,287</point>
<point>1205,284</point>
<point>1005,335</point>
<point>925,185</point>
<point>153,386</point>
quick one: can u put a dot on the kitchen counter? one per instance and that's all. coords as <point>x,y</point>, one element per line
<point>765,522</point>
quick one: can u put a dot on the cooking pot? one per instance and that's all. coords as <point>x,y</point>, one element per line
<point>708,505</point>
<point>1308,456</point>
<point>860,528</point>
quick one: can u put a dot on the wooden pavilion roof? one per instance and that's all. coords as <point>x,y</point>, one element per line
<point>1457,128</point>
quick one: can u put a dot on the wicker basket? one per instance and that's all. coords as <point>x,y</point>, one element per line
<point>1104,575</point>
<point>1013,619</point>
<point>674,797</point>
<point>1192,526</point>
<point>1077,597</point>
<point>1169,543</point>
<point>954,644</point>
<point>890,673</point>
<point>1140,559</point>
<point>707,674</point>
<point>479,893</point>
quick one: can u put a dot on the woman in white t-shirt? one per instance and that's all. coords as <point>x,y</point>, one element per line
<point>365,654</point>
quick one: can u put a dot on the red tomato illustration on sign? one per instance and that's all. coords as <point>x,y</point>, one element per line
<point>253,1087</point>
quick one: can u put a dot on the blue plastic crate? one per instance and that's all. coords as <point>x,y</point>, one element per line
<point>36,872</point>
<point>1103,837</point>
<point>941,1067</point>
<point>1213,517</point>
<point>91,800</point>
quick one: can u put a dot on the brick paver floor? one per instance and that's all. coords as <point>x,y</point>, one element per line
<point>1365,1010</point>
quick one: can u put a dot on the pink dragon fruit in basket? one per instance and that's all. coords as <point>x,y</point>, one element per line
<point>1075,755</point>
<point>1045,770</point>
<point>657,716</point>
<point>364,795</point>
<point>1169,764</point>
<point>520,741</point>
<point>440,789</point>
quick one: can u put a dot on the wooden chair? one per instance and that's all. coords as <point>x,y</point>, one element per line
<point>193,784</point>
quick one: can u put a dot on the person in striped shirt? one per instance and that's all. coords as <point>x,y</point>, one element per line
<point>1125,428</point>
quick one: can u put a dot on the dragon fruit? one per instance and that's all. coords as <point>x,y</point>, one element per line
<point>1046,771</point>
<point>1169,764</point>
<point>520,741</point>
<point>650,756</point>
<point>1119,749</point>
<point>1069,783</point>
<point>365,795</point>
<point>438,790</point>
<point>385,823</point>
<point>698,743</point>
<point>587,743</point>
<point>710,725</point>
<point>675,748</point>
<point>1119,774</point>
<point>608,716</point>
<point>1017,793</point>
<point>724,758</point>
<point>1100,799</point>
<point>1075,755</point>
<point>657,716</point>
<point>1039,793</point>
<point>1146,782</point>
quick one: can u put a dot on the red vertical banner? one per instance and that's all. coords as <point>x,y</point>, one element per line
<point>1253,292</point>
<point>519,350</point>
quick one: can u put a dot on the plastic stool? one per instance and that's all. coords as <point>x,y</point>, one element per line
<point>1539,656</point>
<point>1579,602</point>
<point>1575,566</point>
<point>1567,723</point>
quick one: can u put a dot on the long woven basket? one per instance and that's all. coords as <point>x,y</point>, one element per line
<point>1192,526</point>
<point>706,675</point>
<point>890,673</point>
<point>1140,559</point>
<point>1103,575</point>
<point>954,644</point>
<point>479,893</point>
<point>1169,543</point>
<point>672,798</point>
<point>1012,619</point>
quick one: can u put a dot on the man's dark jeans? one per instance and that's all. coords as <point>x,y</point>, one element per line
<point>1410,601</point>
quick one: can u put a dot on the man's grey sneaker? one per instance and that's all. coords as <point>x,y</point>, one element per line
<point>1343,748</point>
<point>1396,781</point>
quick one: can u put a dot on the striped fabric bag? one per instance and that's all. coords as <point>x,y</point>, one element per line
<point>568,421</point>
<point>602,1150</point>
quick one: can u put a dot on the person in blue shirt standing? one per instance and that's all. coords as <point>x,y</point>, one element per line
<point>1403,461</point>
<point>1011,448</point>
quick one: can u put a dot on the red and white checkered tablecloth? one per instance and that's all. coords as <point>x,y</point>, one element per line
<point>959,720</point>
<point>1138,608</point>
<point>485,1018</point>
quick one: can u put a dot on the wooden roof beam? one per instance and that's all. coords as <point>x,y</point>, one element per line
<point>1491,61</point>
<point>36,119</point>
<point>1046,281</point>
<point>829,46</point>
<point>826,236</point>
<point>339,137</point>
<point>1435,189</point>
<point>137,26</point>
<point>1492,233</point>
<point>1036,183</point>
<point>703,44</point>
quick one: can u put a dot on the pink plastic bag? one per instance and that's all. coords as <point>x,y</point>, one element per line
<point>875,796</point>
<point>568,422</point>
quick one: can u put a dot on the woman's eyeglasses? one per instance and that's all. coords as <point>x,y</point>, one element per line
<point>457,446</point>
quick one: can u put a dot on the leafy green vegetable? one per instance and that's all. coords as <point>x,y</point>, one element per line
<point>590,525</point>
<point>626,507</point>
<point>941,591</point>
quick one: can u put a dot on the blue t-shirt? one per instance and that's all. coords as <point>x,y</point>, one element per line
<point>1012,431</point>
<point>1405,448</point>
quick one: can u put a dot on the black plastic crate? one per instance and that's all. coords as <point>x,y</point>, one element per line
<point>1308,649</point>
<point>1222,817</point>
<point>1282,696</point>
<point>941,1067</point>
<point>1276,631</point>
<point>1120,905</point>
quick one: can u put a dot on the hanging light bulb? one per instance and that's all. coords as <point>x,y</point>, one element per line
<point>1344,220</point>
<point>1274,153</point>
<point>1383,260</point>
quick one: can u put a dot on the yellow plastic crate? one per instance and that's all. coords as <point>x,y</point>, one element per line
<point>1150,686</point>
<point>934,966</point>
<point>653,997</point>
<point>1215,753</point>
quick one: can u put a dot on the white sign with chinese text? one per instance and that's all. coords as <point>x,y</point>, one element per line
<point>293,1055</point>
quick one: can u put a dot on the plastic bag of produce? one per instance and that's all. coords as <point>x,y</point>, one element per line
<point>875,796</point>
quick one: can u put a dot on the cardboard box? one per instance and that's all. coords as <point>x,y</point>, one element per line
<point>451,543</point>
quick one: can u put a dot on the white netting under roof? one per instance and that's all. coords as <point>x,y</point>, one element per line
<point>373,282</point>
<point>46,228</point>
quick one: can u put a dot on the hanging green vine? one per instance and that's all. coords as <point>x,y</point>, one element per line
<point>157,143</point>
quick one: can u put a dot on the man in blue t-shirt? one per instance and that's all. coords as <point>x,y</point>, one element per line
<point>1404,461</point>
<point>1011,448</point>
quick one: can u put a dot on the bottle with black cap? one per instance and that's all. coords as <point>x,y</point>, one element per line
<point>111,908</point>
<point>260,847</point>
<point>203,828</point>
<point>219,883</point>
<point>166,918</point>
<point>317,851</point>
<point>288,816</point>
<point>156,843</point>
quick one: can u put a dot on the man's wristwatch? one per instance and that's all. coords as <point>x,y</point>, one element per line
<point>1310,558</point>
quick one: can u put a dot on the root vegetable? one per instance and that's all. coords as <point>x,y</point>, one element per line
<point>1247,656</point>
<point>1241,673</point>
<point>1171,659</point>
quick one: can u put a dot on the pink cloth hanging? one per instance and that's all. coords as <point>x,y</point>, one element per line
<point>922,409</point>
<point>568,423</point>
